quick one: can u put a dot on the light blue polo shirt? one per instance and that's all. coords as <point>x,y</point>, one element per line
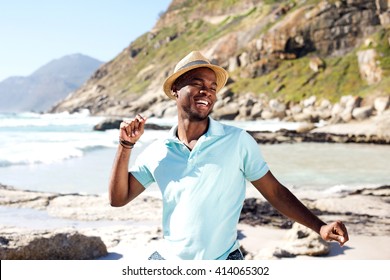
<point>203,190</point>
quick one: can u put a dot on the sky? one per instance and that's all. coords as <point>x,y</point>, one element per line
<point>33,33</point>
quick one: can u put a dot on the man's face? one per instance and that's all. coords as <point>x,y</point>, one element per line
<point>196,93</point>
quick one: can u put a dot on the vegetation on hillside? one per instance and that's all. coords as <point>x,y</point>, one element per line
<point>197,25</point>
<point>292,80</point>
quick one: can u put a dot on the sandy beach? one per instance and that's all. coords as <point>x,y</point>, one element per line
<point>265,239</point>
<point>133,232</point>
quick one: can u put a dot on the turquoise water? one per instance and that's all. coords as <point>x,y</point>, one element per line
<point>329,165</point>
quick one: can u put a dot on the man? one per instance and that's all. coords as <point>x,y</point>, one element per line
<point>202,169</point>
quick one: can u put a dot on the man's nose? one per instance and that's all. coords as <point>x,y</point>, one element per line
<point>205,90</point>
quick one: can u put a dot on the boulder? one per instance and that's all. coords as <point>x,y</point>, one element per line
<point>258,212</point>
<point>110,123</point>
<point>228,112</point>
<point>381,103</point>
<point>309,101</point>
<point>368,66</point>
<point>362,113</point>
<point>266,114</point>
<point>316,64</point>
<point>12,197</point>
<point>256,111</point>
<point>382,123</point>
<point>45,245</point>
<point>170,112</point>
<point>303,117</point>
<point>295,109</point>
<point>277,107</point>
<point>305,127</point>
<point>300,240</point>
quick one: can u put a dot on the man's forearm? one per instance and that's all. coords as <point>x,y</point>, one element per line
<point>287,204</point>
<point>119,182</point>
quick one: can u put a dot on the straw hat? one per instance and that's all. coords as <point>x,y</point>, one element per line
<point>194,60</point>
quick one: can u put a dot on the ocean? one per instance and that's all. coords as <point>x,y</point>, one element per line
<point>62,153</point>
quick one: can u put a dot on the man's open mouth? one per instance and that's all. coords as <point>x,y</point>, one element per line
<point>202,102</point>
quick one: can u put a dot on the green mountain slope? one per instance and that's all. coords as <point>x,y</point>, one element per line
<point>287,50</point>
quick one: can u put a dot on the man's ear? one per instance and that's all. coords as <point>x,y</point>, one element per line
<point>174,91</point>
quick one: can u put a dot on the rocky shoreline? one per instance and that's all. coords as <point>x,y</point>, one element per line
<point>351,120</point>
<point>138,224</point>
<point>374,130</point>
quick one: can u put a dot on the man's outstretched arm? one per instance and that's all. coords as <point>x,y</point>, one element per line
<point>287,204</point>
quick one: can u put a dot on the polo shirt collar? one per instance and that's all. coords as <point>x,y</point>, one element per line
<point>215,129</point>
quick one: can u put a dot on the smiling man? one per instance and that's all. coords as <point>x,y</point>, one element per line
<point>201,169</point>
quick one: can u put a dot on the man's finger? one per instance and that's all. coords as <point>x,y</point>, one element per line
<point>339,238</point>
<point>340,229</point>
<point>140,117</point>
<point>142,121</point>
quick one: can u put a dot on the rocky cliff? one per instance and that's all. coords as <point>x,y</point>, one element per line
<point>282,56</point>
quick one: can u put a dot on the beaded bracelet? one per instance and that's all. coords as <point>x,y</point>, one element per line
<point>126,144</point>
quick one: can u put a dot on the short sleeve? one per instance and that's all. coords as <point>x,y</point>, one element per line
<point>252,163</point>
<point>141,169</point>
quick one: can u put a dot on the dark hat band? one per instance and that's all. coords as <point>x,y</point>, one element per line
<point>195,62</point>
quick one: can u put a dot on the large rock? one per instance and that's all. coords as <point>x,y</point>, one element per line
<point>381,103</point>
<point>362,113</point>
<point>299,240</point>
<point>258,212</point>
<point>228,112</point>
<point>110,123</point>
<point>95,208</point>
<point>368,205</point>
<point>368,66</point>
<point>81,207</point>
<point>114,123</point>
<point>45,245</point>
<point>10,196</point>
<point>278,108</point>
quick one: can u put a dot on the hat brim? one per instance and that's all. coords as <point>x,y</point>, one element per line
<point>220,74</point>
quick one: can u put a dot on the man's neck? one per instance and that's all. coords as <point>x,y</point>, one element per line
<point>189,132</point>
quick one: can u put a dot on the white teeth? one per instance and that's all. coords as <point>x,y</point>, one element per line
<point>204,102</point>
